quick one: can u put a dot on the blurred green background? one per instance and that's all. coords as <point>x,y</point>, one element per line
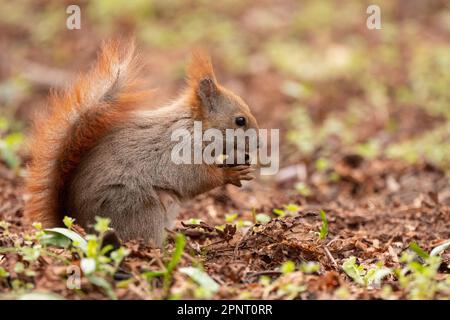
<point>311,68</point>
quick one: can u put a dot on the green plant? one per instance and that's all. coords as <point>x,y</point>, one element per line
<point>243,223</point>
<point>440,248</point>
<point>193,221</point>
<point>166,273</point>
<point>363,276</point>
<point>288,286</point>
<point>305,267</point>
<point>290,291</point>
<point>98,263</point>
<point>290,209</point>
<point>4,225</point>
<point>309,267</point>
<point>231,217</point>
<point>324,228</point>
<point>262,218</point>
<point>303,189</point>
<point>418,250</point>
<point>3,273</point>
<point>321,164</point>
<point>419,277</point>
<point>9,146</point>
<point>207,287</point>
<point>287,267</point>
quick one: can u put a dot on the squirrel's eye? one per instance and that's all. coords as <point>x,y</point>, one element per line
<point>240,121</point>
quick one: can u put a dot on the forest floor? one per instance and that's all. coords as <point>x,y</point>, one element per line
<point>360,208</point>
<point>374,212</point>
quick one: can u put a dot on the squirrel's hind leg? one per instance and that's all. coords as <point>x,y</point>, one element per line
<point>171,206</point>
<point>145,223</point>
<point>134,215</point>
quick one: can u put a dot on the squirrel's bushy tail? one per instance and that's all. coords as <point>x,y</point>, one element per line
<point>77,119</point>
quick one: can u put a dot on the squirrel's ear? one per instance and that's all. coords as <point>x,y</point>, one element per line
<point>202,81</point>
<point>208,93</point>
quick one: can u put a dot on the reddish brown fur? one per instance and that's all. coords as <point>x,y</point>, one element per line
<point>200,67</point>
<point>78,118</point>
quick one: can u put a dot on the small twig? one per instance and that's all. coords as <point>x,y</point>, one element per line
<point>330,257</point>
<point>236,248</point>
<point>173,233</point>
<point>213,243</point>
<point>218,280</point>
<point>160,263</point>
<point>332,240</point>
<point>137,290</point>
<point>187,256</point>
<point>254,215</point>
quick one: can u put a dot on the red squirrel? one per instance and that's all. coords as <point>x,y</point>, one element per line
<point>98,153</point>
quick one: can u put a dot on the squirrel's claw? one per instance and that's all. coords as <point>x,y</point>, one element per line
<point>234,175</point>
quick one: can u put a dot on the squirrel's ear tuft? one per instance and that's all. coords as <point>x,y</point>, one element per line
<point>200,67</point>
<point>202,81</point>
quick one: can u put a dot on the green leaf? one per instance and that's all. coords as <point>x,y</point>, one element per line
<point>118,255</point>
<point>353,270</point>
<point>321,164</point>
<point>102,224</point>
<point>303,189</point>
<point>220,227</point>
<point>105,285</point>
<point>287,267</point>
<point>418,250</point>
<point>375,275</point>
<point>124,283</point>
<point>291,207</point>
<point>9,145</point>
<point>68,221</point>
<point>3,273</point>
<point>243,223</point>
<point>440,248</point>
<point>202,278</point>
<point>104,251</point>
<point>76,239</point>
<point>193,221</point>
<point>55,239</point>
<point>180,242</point>
<point>92,246</point>
<point>153,274</point>
<point>231,217</point>
<point>279,212</point>
<point>8,155</point>
<point>265,281</point>
<point>37,225</point>
<point>324,228</point>
<point>31,253</point>
<point>4,225</point>
<point>19,267</point>
<point>14,140</point>
<point>262,218</point>
<point>309,267</point>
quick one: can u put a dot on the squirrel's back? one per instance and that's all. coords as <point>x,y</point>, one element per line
<point>78,118</point>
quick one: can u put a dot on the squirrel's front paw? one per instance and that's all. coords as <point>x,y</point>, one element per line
<point>235,174</point>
